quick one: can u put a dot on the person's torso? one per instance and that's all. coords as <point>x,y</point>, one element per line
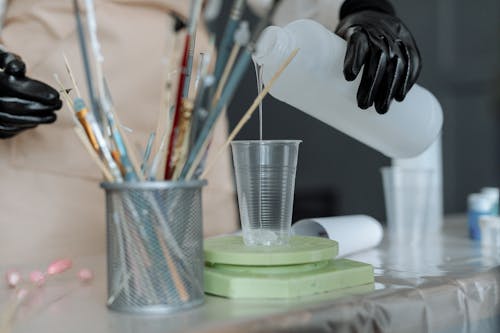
<point>50,193</point>
<point>136,38</point>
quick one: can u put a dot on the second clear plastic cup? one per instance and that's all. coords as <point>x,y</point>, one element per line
<point>265,180</point>
<point>407,198</point>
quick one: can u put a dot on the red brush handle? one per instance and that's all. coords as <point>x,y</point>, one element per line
<point>173,134</point>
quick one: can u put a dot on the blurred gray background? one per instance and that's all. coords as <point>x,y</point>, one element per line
<point>460,46</point>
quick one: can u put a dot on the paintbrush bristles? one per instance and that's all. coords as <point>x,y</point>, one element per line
<point>64,93</point>
<point>72,77</point>
<point>93,154</point>
<point>250,111</point>
<point>67,99</point>
<point>131,153</point>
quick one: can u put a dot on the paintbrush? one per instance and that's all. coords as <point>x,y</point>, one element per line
<point>227,37</point>
<point>86,62</point>
<point>200,112</point>
<point>121,154</point>
<point>91,127</point>
<point>147,153</point>
<point>175,121</point>
<point>182,88</point>
<point>69,103</point>
<point>163,124</point>
<point>93,154</point>
<point>241,38</point>
<point>84,133</point>
<point>182,143</point>
<point>234,79</point>
<point>194,17</point>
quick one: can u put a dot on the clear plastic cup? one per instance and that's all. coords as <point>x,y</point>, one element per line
<point>490,231</point>
<point>407,195</point>
<point>265,180</point>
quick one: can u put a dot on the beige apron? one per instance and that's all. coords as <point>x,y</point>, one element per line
<point>50,203</point>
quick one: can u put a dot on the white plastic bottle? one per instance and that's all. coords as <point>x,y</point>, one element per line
<point>315,84</point>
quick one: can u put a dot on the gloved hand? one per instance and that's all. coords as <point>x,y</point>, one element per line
<point>24,102</point>
<point>378,41</point>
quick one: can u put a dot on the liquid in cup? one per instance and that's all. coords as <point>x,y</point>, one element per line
<point>265,180</point>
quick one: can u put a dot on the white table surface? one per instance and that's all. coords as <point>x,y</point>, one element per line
<point>451,285</point>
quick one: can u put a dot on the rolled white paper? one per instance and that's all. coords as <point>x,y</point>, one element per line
<point>354,233</point>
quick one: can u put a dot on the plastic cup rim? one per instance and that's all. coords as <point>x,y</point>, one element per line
<point>154,185</point>
<point>405,169</point>
<point>265,142</point>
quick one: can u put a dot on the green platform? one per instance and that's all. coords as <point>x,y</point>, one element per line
<point>304,267</point>
<point>301,250</point>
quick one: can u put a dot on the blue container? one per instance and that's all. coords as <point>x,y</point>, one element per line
<point>479,204</point>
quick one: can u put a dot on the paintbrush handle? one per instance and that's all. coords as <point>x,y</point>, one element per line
<point>86,62</point>
<point>199,109</point>
<point>226,72</point>
<point>228,37</point>
<point>236,76</point>
<point>124,161</point>
<point>175,123</point>
<point>93,154</point>
<point>182,136</point>
<point>82,118</point>
<point>225,48</point>
<point>193,23</point>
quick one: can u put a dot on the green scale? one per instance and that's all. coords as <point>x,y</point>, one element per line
<point>306,266</point>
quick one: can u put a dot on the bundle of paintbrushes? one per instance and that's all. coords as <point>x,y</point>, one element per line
<point>176,150</point>
<point>149,245</point>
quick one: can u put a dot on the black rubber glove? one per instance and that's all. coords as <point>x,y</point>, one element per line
<point>379,41</point>
<point>24,102</point>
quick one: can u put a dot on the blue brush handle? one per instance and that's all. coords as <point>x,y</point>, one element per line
<point>130,174</point>
<point>86,63</point>
<point>225,47</point>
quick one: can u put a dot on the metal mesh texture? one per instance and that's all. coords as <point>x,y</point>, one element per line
<point>155,250</point>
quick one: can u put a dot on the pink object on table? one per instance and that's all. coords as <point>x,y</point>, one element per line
<point>38,278</point>
<point>59,266</point>
<point>21,294</point>
<point>85,275</point>
<point>13,278</point>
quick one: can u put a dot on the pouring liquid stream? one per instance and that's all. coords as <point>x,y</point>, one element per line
<point>260,85</point>
<point>258,75</point>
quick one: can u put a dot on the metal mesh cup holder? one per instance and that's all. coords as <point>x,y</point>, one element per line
<point>155,245</point>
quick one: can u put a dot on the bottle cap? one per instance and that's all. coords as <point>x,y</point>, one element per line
<point>492,192</point>
<point>480,202</point>
<point>273,40</point>
<point>242,34</point>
